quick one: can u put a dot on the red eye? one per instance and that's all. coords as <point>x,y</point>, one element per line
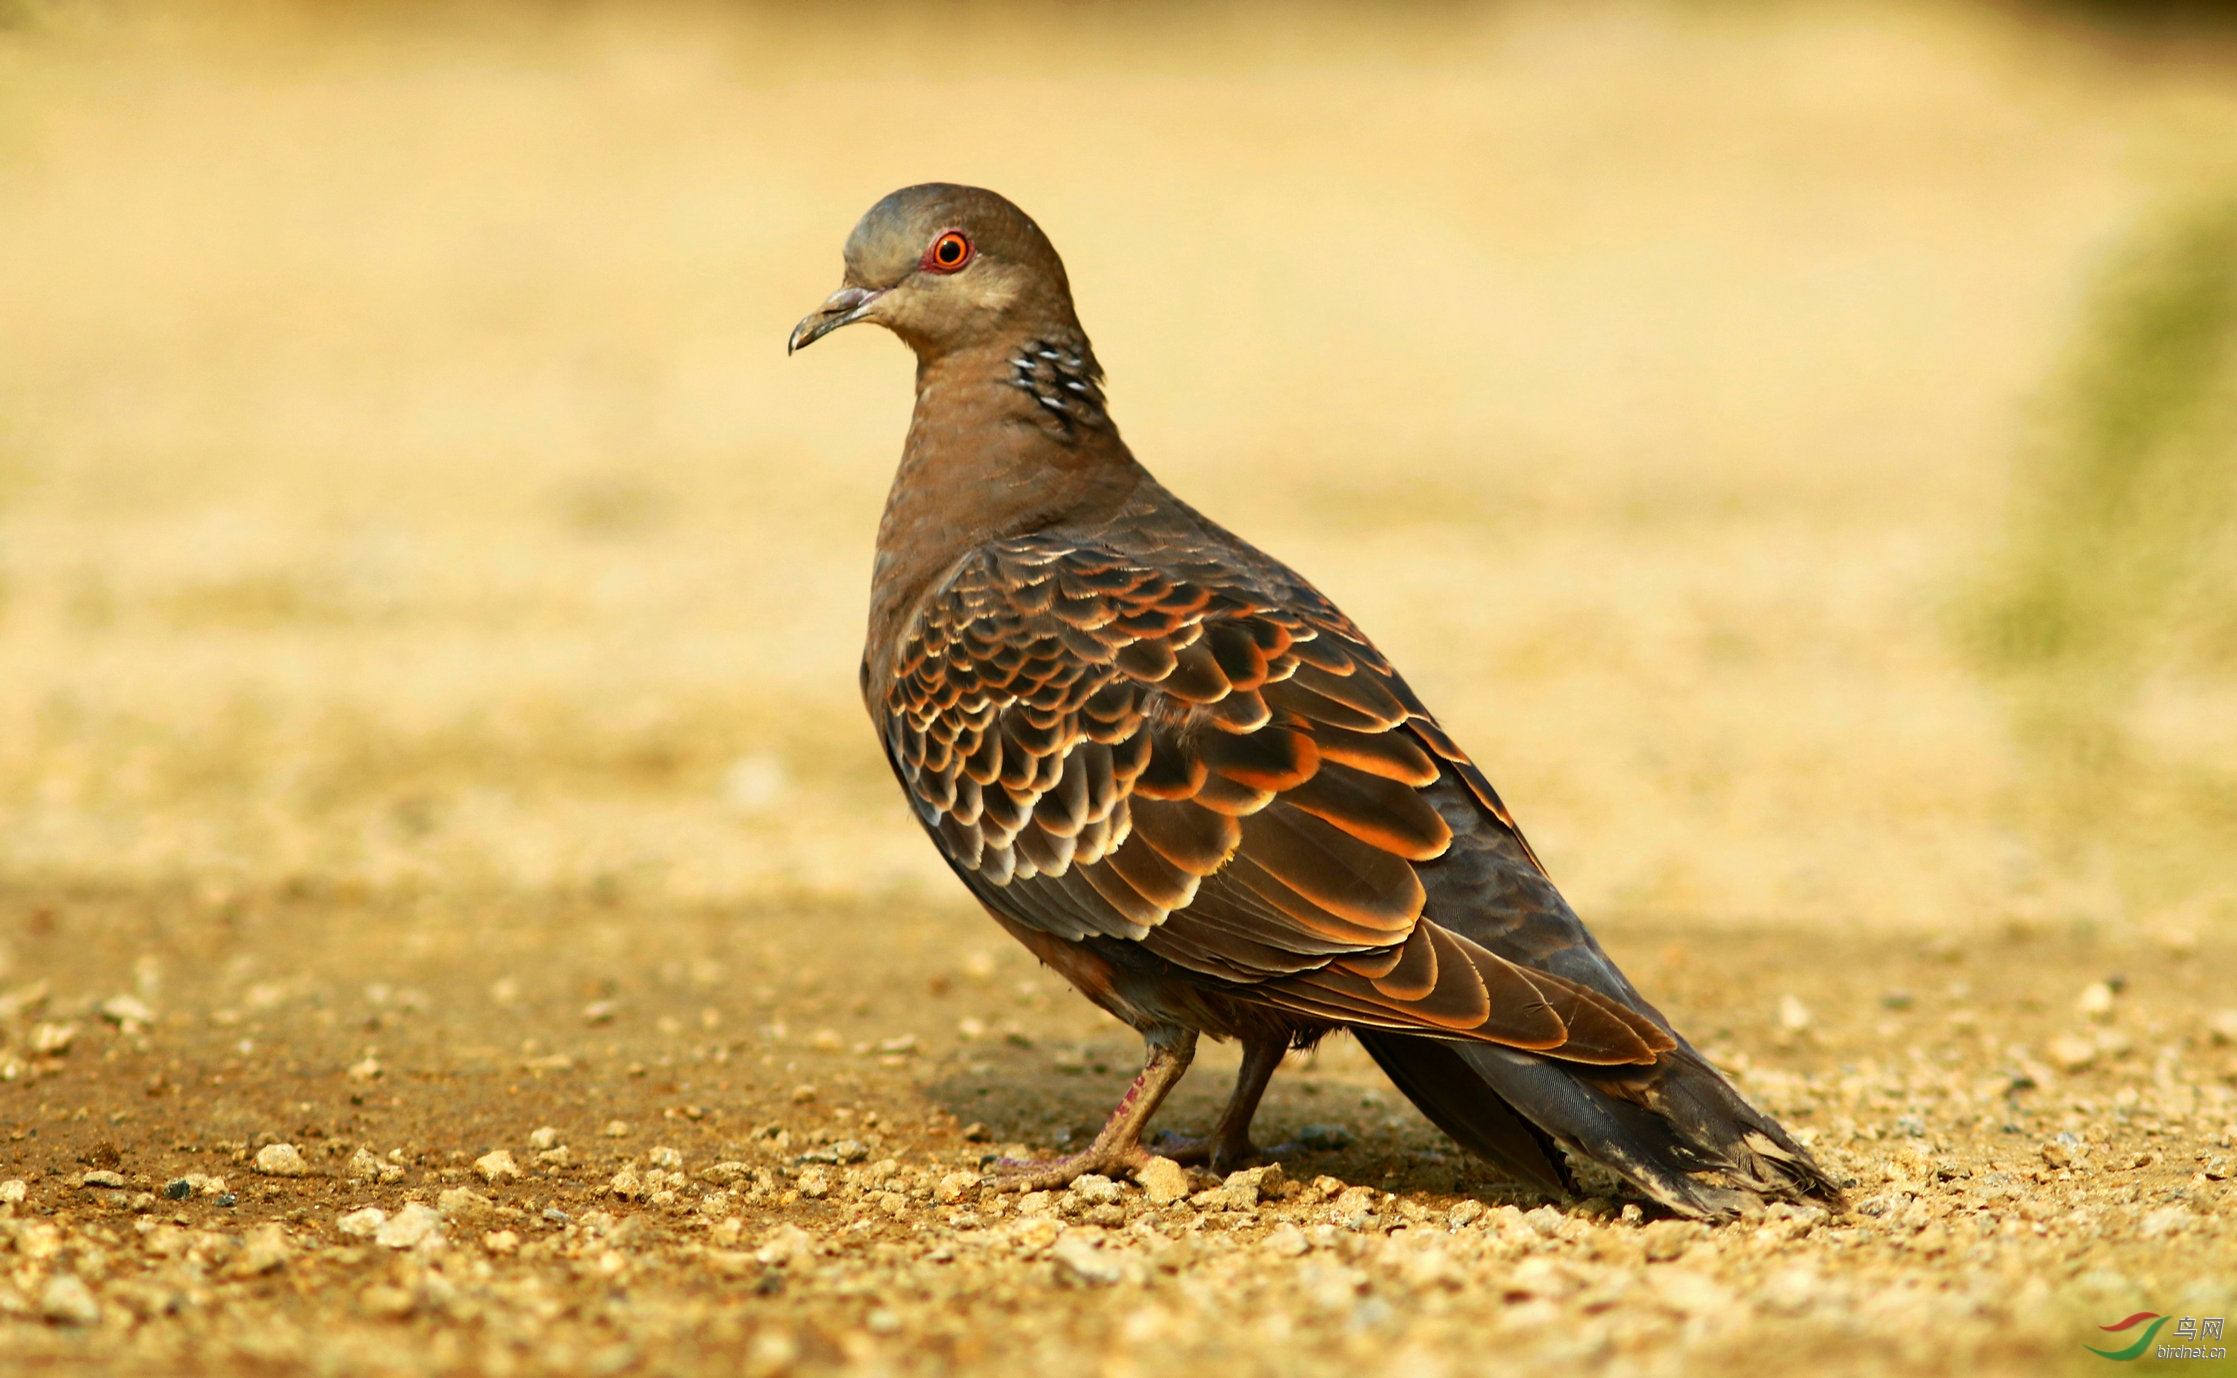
<point>948,253</point>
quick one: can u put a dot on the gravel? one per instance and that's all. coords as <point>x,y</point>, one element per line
<point>671,1202</point>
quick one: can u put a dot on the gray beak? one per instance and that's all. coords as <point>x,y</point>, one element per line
<point>846,306</point>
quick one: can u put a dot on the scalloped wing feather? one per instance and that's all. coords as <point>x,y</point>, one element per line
<point>1169,753</point>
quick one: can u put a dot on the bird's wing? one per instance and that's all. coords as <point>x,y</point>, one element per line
<point>1172,754</point>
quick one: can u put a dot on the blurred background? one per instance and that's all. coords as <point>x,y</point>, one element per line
<point>1792,445</point>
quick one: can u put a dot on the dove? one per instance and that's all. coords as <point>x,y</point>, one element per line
<point>1182,778</point>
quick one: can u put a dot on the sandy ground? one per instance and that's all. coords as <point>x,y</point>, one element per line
<point>745,1138</point>
<point>429,604</point>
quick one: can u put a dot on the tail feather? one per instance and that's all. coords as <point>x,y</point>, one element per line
<point>1432,1074</point>
<point>1678,1131</point>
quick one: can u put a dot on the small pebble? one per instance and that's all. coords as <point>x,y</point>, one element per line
<point>1079,1259</point>
<point>268,1250</point>
<point>1791,1290</point>
<point>497,1166</point>
<point>415,1226</point>
<point>113,1181</point>
<point>1287,1241</point>
<point>462,1203</point>
<point>1163,1181</point>
<point>363,1223</point>
<point>1667,1240</point>
<point>126,1009</point>
<point>387,1303</point>
<point>13,1192</point>
<point>68,1301</point>
<point>282,1160</point>
<point>1095,1189</point>
<point>544,1139</point>
<point>784,1244</point>
<point>2071,1052</point>
<point>2095,1001</point>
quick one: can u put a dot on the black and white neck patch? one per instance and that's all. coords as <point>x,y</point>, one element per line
<point>1067,383</point>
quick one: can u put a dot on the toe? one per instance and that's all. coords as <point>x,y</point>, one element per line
<point>1012,1174</point>
<point>1187,1152</point>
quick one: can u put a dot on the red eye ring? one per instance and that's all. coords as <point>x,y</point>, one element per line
<point>948,254</point>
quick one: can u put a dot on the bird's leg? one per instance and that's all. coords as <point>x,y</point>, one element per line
<point>1117,1150</point>
<point>1229,1144</point>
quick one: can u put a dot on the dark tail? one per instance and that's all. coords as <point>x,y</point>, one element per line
<point>1677,1131</point>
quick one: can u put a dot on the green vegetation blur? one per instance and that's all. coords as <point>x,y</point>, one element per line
<point>2118,583</point>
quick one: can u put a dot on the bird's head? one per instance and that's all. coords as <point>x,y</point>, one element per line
<point>945,267</point>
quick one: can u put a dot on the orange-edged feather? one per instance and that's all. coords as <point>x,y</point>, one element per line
<point>1382,813</point>
<point>1350,879</point>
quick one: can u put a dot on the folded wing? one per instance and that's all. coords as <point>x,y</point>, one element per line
<point>1239,782</point>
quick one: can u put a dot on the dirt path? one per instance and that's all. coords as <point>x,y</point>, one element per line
<point>747,1141</point>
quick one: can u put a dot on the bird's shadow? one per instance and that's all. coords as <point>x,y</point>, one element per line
<point>1013,1093</point>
